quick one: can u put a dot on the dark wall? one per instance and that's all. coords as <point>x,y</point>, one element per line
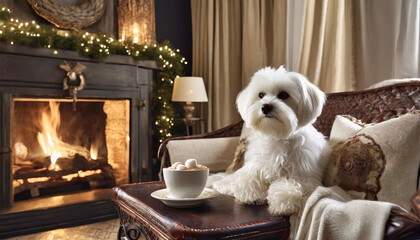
<point>23,11</point>
<point>173,23</point>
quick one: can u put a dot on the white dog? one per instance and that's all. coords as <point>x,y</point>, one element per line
<point>283,157</point>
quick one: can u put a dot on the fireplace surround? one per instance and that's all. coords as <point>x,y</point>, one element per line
<point>66,190</point>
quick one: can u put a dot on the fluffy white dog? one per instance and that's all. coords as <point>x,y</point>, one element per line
<point>283,157</point>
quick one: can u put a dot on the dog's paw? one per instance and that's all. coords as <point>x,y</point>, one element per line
<point>284,197</point>
<point>283,209</point>
<point>250,192</point>
<point>223,187</point>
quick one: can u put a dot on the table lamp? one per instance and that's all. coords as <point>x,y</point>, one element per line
<point>189,89</point>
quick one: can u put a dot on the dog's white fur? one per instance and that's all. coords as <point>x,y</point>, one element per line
<point>283,160</point>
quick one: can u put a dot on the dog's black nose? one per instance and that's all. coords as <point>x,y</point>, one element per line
<point>266,108</point>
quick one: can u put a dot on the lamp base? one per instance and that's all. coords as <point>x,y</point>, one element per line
<point>189,110</point>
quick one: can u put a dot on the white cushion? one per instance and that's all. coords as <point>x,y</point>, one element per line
<point>215,153</point>
<point>342,129</point>
<point>381,160</point>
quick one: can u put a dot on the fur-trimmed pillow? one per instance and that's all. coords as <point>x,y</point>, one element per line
<point>381,160</point>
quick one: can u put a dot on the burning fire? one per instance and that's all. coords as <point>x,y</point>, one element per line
<point>56,155</point>
<point>82,147</point>
<point>93,152</point>
<point>48,138</point>
<point>52,145</point>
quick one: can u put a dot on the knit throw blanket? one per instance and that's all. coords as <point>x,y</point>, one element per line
<point>331,213</point>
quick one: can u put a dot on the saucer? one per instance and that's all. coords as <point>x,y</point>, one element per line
<point>164,196</point>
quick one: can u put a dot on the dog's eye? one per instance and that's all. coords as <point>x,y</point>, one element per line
<point>283,95</point>
<point>261,95</point>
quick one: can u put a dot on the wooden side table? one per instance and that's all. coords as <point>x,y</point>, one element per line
<point>218,218</point>
<point>196,124</point>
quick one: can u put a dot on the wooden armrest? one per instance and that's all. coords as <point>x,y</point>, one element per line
<point>229,131</point>
<point>415,204</point>
<point>402,225</point>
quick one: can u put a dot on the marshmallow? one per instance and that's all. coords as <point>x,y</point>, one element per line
<point>191,163</point>
<point>201,166</point>
<point>181,167</point>
<point>175,165</point>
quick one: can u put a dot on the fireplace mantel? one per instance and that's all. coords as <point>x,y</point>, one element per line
<point>35,73</point>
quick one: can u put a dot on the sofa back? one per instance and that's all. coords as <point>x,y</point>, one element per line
<point>370,106</point>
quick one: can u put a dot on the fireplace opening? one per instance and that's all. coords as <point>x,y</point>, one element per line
<point>56,150</point>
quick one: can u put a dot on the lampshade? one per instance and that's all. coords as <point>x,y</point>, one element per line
<point>189,89</point>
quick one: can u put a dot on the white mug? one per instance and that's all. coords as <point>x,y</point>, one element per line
<point>185,183</point>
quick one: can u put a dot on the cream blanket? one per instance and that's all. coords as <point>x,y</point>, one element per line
<point>330,213</point>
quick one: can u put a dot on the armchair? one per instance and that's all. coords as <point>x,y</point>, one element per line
<point>370,106</point>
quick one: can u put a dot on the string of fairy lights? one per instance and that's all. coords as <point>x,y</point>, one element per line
<point>99,46</point>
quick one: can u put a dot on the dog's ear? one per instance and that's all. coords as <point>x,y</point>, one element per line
<point>312,102</point>
<point>281,69</point>
<point>243,101</point>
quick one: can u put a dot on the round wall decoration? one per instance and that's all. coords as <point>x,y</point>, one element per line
<point>80,15</point>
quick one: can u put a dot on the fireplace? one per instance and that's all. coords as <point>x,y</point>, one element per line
<point>60,157</point>
<point>54,146</point>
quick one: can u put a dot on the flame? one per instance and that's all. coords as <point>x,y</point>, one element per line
<point>50,141</point>
<point>41,142</point>
<point>38,179</point>
<point>52,145</point>
<point>56,155</point>
<point>69,177</point>
<point>47,137</point>
<point>93,151</point>
<point>50,122</point>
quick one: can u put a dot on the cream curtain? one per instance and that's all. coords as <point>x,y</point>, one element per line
<point>327,57</point>
<point>217,52</point>
<point>233,39</point>
<point>263,35</point>
<point>387,40</point>
<point>294,33</point>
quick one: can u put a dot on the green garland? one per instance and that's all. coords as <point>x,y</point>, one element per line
<point>99,46</point>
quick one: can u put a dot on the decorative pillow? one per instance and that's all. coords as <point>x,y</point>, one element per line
<point>238,160</point>
<point>217,157</point>
<point>380,160</point>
